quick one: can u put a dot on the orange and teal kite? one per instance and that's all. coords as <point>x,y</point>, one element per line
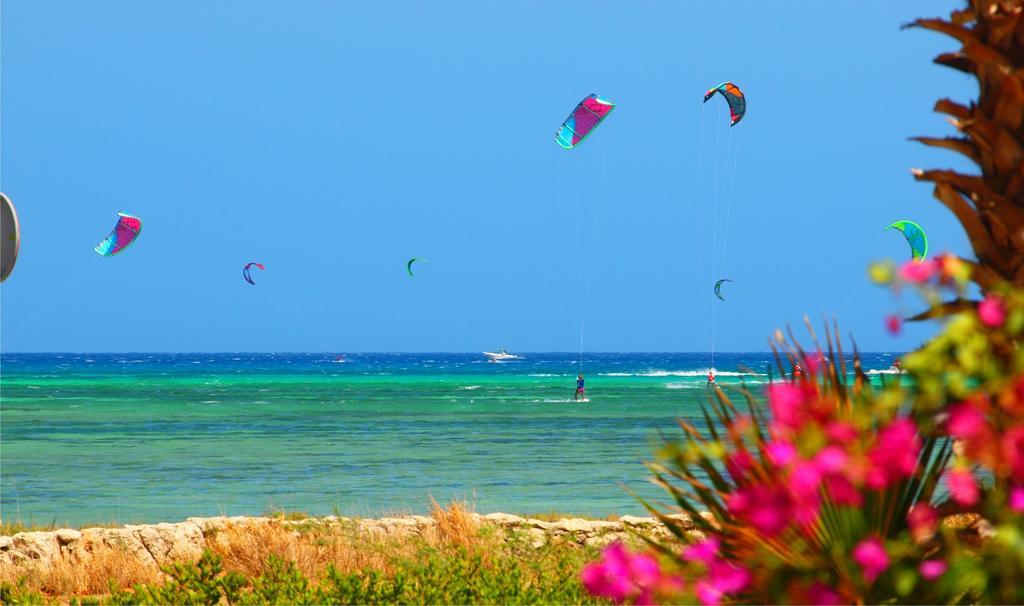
<point>733,96</point>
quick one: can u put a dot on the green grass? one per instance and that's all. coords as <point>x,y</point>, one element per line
<point>435,576</point>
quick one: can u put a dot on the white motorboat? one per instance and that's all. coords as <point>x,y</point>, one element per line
<point>501,356</point>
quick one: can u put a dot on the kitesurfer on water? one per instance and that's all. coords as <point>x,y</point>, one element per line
<point>797,372</point>
<point>711,378</point>
<point>579,387</point>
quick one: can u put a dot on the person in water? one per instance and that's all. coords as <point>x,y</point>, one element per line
<point>711,378</point>
<point>798,372</point>
<point>579,387</point>
<point>860,377</point>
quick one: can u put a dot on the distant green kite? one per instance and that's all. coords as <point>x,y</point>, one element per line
<point>915,238</point>
<point>408,266</point>
<point>718,288</point>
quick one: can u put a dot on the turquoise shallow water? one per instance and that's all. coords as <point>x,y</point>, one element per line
<point>161,437</point>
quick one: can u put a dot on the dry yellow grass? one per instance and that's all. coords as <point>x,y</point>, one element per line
<point>454,525</point>
<point>245,548</point>
<point>91,577</point>
<point>315,545</point>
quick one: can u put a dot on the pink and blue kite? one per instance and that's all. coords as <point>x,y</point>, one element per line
<point>124,233</point>
<point>583,120</point>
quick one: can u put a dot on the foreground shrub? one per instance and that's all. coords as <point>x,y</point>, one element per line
<point>436,575</point>
<point>831,491</point>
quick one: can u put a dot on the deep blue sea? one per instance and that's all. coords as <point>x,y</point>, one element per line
<point>161,437</point>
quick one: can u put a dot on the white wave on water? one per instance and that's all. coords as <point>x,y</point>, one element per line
<point>560,401</point>
<point>470,387</point>
<point>546,374</point>
<point>703,384</point>
<point>680,373</point>
<point>886,371</point>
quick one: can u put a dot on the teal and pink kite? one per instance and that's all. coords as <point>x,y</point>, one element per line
<point>123,234</point>
<point>589,113</point>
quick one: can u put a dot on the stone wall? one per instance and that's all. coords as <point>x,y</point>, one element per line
<point>158,544</point>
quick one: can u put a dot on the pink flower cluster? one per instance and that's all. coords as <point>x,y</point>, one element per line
<point>622,577</point>
<point>870,554</point>
<point>837,469</point>
<point>947,271</point>
<point>985,441</point>
<point>722,577</point>
<point>992,311</point>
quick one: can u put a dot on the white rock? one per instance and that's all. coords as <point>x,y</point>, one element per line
<point>504,519</point>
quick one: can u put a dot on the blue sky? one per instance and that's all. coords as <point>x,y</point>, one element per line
<point>334,140</point>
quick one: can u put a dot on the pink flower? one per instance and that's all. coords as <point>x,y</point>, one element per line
<point>932,569</point>
<point>1017,499</point>
<point>738,463</point>
<point>871,556</point>
<point>813,362</point>
<point>786,401</point>
<point>839,431</point>
<point>727,577</point>
<point>705,551</point>
<point>992,311</point>
<point>831,459</point>
<point>823,595</point>
<point>895,454</point>
<point>608,578</point>
<point>923,521</point>
<point>723,577</point>
<point>805,479</point>
<point>965,421</point>
<point>918,271</point>
<point>1013,451</point>
<point>768,509</point>
<point>893,324</point>
<point>962,487</point>
<point>620,576</point>
<point>708,594</point>
<point>780,452</point>
<point>842,491</point>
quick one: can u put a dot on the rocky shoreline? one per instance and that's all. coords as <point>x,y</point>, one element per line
<point>165,543</point>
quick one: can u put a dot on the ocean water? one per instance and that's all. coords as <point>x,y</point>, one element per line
<point>88,438</point>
